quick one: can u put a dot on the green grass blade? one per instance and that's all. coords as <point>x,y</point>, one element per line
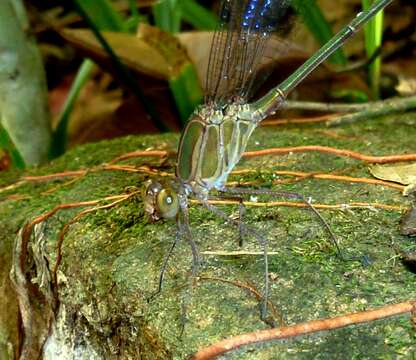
<point>318,25</point>
<point>135,18</point>
<point>103,15</point>
<point>186,91</point>
<point>133,9</point>
<point>7,144</point>
<point>167,15</point>
<point>183,78</point>
<point>198,16</point>
<point>373,33</point>
<point>60,138</point>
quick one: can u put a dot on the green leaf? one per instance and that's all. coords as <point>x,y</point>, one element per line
<point>182,76</point>
<point>186,91</point>
<point>318,25</point>
<point>103,15</point>
<point>198,16</point>
<point>349,95</point>
<point>60,137</point>
<point>167,15</point>
<point>373,33</point>
<point>7,144</point>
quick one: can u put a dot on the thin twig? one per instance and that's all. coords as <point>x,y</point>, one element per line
<point>379,108</point>
<point>324,176</point>
<point>236,342</point>
<point>12,186</point>
<point>149,153</point>
<point>238,253</point>
<point>80,173</point>
<point>352,205</point>
<point>355,112</point>
<point>334,151</point>
<point>308,120</point>
<point>326,107</point>
<point>61,185</point>
<point>163,153</point>
<point>55,176</point>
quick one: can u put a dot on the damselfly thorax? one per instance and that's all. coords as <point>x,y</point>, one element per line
<point>211,145</point>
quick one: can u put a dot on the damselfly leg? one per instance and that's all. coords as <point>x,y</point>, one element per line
<point>288,195</point>
<point>182,229</point>
<point>166,261</point>
<point>260,239</point>
<point>218,132</point>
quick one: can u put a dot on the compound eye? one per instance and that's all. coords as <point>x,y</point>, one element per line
<point>167,203</point>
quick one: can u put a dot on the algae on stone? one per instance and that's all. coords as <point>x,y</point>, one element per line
<point>112,257</point>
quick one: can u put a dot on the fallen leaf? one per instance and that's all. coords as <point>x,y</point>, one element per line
<point>133,51</point>
<point>402,174</point>
<point>406,86</point>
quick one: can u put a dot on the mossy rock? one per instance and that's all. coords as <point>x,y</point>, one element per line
<point>111,258</point>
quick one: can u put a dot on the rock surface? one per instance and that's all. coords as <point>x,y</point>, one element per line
<point>111,257</point>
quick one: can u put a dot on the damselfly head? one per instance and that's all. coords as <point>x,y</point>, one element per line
<point>160,200</point>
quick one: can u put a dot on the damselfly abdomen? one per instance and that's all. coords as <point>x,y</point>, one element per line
<point>218,132</point>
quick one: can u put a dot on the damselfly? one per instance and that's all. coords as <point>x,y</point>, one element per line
<point>217,133</point>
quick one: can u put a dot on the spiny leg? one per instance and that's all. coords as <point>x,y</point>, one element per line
<point>241,213</point>
<point>189,238</point>
<point>166,260</point>
<point>185,227</point>
<point>182,227</point>
<point>289,195</point>
<point>263,243</point>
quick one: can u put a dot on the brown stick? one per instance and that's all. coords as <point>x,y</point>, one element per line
<point>334,151</point>
<point>163,153</point>
<point>150,153</point>
<point>309,327</point>
<point>55,175</point>
<point>343,178</point>
<point>309,120</point>
<point>351,205</point>
<point>324,176</point>
<point>286,150</point>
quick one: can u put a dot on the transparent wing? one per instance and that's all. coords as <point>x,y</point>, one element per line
<point>239,44</point>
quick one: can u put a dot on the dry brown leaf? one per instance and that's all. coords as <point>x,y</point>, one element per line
<point>402,174</point>
<point>406,86</point>
<point>133,51</point>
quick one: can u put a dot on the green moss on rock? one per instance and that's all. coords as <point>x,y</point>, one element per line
<point>112,257</point>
